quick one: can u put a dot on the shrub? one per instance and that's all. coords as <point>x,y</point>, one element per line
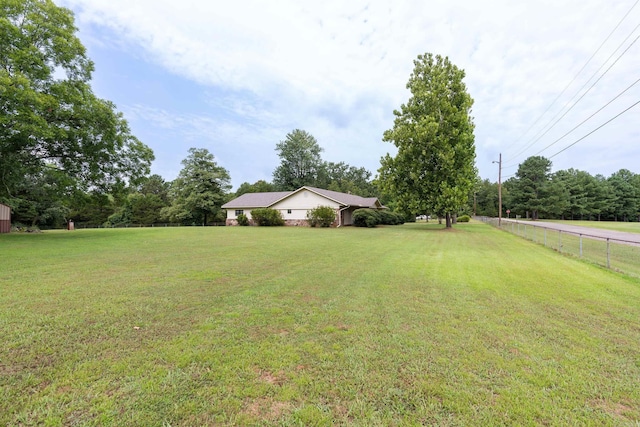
<point>243,220</point>
<point>390,218</point>
<point>322,216</point>
<point>371,217</point>
<point>267,217</point>
<point>463,218</point>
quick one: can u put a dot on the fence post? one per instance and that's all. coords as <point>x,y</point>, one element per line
<point>608,255</point>
<point>580,245</point>
<point>559,241</point>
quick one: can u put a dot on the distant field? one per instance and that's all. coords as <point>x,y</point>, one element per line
<point>628,227</point>
<point>404,325</point>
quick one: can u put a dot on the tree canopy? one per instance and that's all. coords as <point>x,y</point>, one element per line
<point>300,161</point>
<point>433,170</point>
<point>49,116</point>
<point>200,189</point>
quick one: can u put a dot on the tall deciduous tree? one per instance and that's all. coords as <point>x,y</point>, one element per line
<point>199,190</point>
<point>345,178</point>
<point>49,117</point>
<point>300,161</point>
<point>433,170</point>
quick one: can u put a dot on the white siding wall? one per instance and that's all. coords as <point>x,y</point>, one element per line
<point>300,203</point>
<point>231,213</point>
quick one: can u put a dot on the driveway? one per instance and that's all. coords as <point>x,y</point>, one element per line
<point>622,237</point>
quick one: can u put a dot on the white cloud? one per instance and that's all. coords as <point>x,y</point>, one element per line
<point>338,69</point>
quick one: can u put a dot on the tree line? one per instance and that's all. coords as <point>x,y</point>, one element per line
<point>67,154</point>
<point>535,192</point>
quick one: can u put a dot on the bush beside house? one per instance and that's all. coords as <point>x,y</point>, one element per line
<point>267,217</point>
<point>322,216</point>
<point>371,218</point>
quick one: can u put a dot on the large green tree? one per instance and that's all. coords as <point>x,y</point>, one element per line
<point>345,178</point>
<point>531,191</point>
<point>199,190</point>
<point>260,186</point>
<point>49,116</point>
<point>626,188</point>
<point>300,161</point>
<point>433,170</point>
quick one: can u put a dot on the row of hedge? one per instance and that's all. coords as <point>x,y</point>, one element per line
<point>371,218</point>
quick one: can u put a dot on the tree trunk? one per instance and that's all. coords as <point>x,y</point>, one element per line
<point>448,219</point>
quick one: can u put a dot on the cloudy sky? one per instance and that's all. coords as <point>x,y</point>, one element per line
<point>235,77</point>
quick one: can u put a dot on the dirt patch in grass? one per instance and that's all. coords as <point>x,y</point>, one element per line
<point>618,410</point>
<point>267,409</point>
<point>271,378</point>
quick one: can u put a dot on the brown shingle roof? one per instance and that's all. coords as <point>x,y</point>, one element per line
<point>264,200</point>
<point>346,199</point>
<point>256,200</point>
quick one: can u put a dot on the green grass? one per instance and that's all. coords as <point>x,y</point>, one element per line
<point>405,325</point>
<point>628,227</point>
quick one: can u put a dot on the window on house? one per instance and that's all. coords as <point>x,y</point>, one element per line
<point>239,212</point>
<point>288,211</point>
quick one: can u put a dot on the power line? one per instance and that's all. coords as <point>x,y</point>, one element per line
<point>578,73</point>
<point>588,118</point>
<point>537,138</point>
<point>598,128</point>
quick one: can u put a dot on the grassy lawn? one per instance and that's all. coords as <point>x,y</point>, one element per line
<point>402,325</point>
<point>627,227</point>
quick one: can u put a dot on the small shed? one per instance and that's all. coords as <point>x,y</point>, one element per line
<point>5,218</point>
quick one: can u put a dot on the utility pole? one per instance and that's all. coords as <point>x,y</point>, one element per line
<point>499,162</point>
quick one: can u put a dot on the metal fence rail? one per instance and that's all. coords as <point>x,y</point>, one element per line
<point>618,255</point>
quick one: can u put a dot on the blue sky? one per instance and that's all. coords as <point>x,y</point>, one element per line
<point>236,77</point>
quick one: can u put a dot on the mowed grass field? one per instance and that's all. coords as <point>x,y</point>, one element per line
<point>405,325</point>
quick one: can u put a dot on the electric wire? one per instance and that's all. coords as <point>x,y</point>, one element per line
<point>577,74</point>
<point>598,128</point>
<point>556,118</point>
<point>588,118</point>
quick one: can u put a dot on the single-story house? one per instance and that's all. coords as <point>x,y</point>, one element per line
<point>294,205</point>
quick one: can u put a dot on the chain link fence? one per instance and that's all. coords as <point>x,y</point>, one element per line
<point>618,255</point>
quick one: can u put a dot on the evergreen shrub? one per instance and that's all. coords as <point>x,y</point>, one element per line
<point>322,216</point>
<point>463,218</point>
<point>371,217</point>
<point>243,220</point>
<point>267,217</point>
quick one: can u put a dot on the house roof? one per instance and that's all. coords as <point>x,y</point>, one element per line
<point>256,200</point>
<point>347,199</point>
<point>264,200</point>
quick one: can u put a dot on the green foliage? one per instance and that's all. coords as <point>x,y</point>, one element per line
<point>322,216</point>
<point>267,217</point>
<point>49,116</point>
<point>243,220</point>
<point>199,190</point>
<point>260,186</point>
<point>433,170</point>
<point>532,192</point>
<point>300,161</point>
<point>41,198</point>
<point>463,218</point>
<point>372,217</point>
<point>344,178</point>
